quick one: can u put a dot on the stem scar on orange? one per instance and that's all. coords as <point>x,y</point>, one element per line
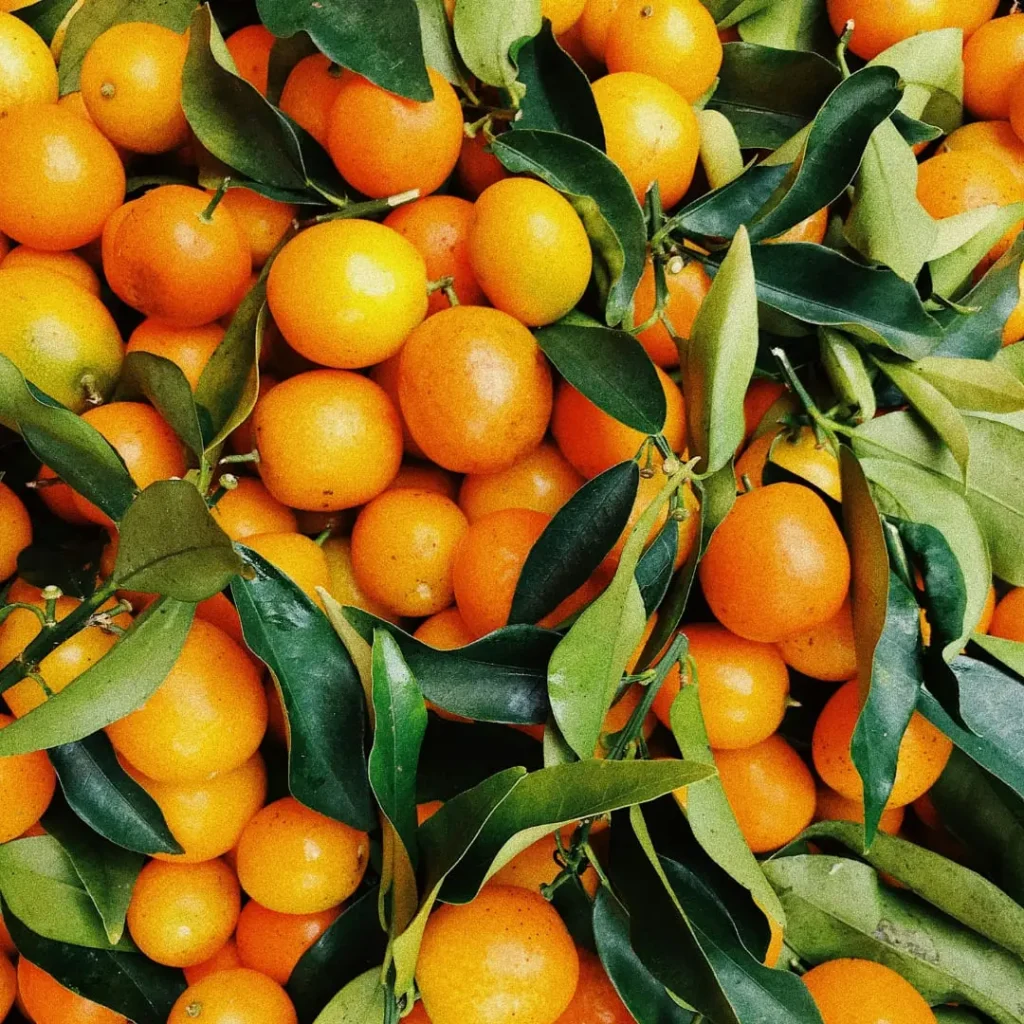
<point>234,997</point>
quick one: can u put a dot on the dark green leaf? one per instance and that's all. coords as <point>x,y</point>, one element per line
<point>320,690</point>
<point>378,39</point>
<point>70,561</point>
<point>600,195</point>
<point>121,681</point>
<point>654,570</point>
<point>45,16</point>
<point>439,42</point>
<point>164,386</point>
<point>489,33</point>
<point>575,542</point>
<point>913,131</point>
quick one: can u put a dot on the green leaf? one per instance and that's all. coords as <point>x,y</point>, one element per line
<point>558,96</point>
<point>721,212</point>
<point>131,984</point>
<point>951,233</point>
<point>599,193</point>
<point>847,373</point>
<point>106,871</point>
<point>608,366</point>
<point>378,39</point>
<point>171,545</point>
<point>75,451</point>
<point>121,681</point>
<point>834,148</point>
<point>720,359</point>
<point>952,888</point>
<point>656,565</point>
<point>973,384</point>
<point>320,690</point>
<point>789,25</point>
<point>887,223</point>
<point>552,797</point>
<point>953,272</point>
<point>992,704</point>
<point>769,94</point>
<point>361,1001</point>
<point>164,386</point>
<point>720,155</point>
<point>488,34</point>
<point>108,799</point>
<point>95,17</point>
<point>45,16</point>
<point>439,42</point>
<point>837,907</point>
<point>500,678</point>
<point>1009,652</point>
<point>575,542</point>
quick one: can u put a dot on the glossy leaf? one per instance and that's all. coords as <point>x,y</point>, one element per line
<point>600,195</point>
<point>575,542</point>
<point>320,690</point>
<point>163,385</point>
<point>847,373</point>
<point>361,1001</point>
<point>656,565</point>
<point>439,42</point>
<point>121,681</point>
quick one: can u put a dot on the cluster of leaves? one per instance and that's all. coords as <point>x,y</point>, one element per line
<point>885,314</point>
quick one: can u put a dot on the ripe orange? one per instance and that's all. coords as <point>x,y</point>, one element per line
<point>207,716</point>
<point>595,1000</point>
<point>262,221</point>
<point>234,997</point>
<point>348,292</point>
<point>15,535</point>
<point>541,480</point>
<point>27,71</point>
<point>327,439</point>
<point>309,93</point>
<point>438,226</point>
<point>923,753</point>
<point>425,476</point>
<point>8,986</point>
<point>298,557</point>
<point>425,811</point>
<point>688,284</point>
<point>296,861</point>
<point>273,943</point>
<point>62,178</point>
<point>505,958</point>
<point>250,49</point>
<point>487,366</point>
<point>880,24</point>
<point>58,497</point>
<point>650,132</point>
<point>383,144</point>
<point>49,1002</point>
<point>996,138</point>
<point>771,792</point>
<point>169,260</point>
<point>148,447</point>
<point>206,817</point>
<point>993,57</point>
<point>1013,329</point>
<point>562,14</point>
<point>833,807</point>
<point>344,587</point>
<point>810,229</point>
<point>594,24</point>
<point>1008,618</point>
<point>446,631</point>
<point>881,995</point>
<point>825,652</point>
<point>536,866</point>
<point>242,441</point>
<point>593,441</point>
<point>529,250</point>
<point>250,509</point>
<point>477,168</point>
<point>777,566</point>
<point>189,348</point>
<point>385,375</point>
<point>225,959</point>
<point>674,41</point>
<point>131,85</point>
<point>403,550</point>
<point>761,395</point>
<point>70,264</point>
<point>802,454</point>
<point>28,780</point>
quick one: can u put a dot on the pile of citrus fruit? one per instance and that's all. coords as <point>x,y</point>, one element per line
<point>512,512</point>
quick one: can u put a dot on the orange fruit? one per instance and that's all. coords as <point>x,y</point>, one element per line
<point>993,57</point>
<point>529,250</point>
<point>536,866</point>
<point>424,476</point>
<point>477,168</point>
<point>541,480</point>
<point>811,229</point>
<point>225,959</point>
<point>650,132</point>
<point>802,454</point>
<point>327,439</point>
<point>1013,329</point>
<point>384,144</point>
<point>299,558</point>
<point>761,395</point>
<point>207,816</point>
<point>1008,618</point>
<point>923,752</point>
<point>344,588</point>
<point>242,441</point>
<point>170,260</point>
<point>674,41</point>
<point>770,790</point>
<point>7,946</point>
<point>8,986</point>
<point>688,284</point>
<point>562,14</point>
<point>296,861</point>
<point>347,293</point>
<point>309,93</point>
<point>29,782</point>
<point>833,807</point>
<point>594,24</point>
<point>504,958</point>
<point>996,138</point>
<point>880,24</point>
<point>27,70</point>
<point>593,441</point>
<point>273,943</point>
<point>487,366</point>
<point>262,221</point>
<point>207,716</point>
<point>595,1000</point>
<point>250,49</point>
<point>70,264</point>
<point>445,630</point>
<point>15,534</point>
<point>426,810</point>
<point>234,997</point>
<point>385,375</point>
<point>250,509</point>
<point>826,651</point>
<point>62,178</point>
<point>58,497</point>
<point>403,550</point>
<point>131,86</point>
<point>148,447</point>
<point>882,996</point>
<point>181,914</point>
<point>49,1002</point>
<point>438,226</point>
<point>189,348</point>
<point>777,566</point>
